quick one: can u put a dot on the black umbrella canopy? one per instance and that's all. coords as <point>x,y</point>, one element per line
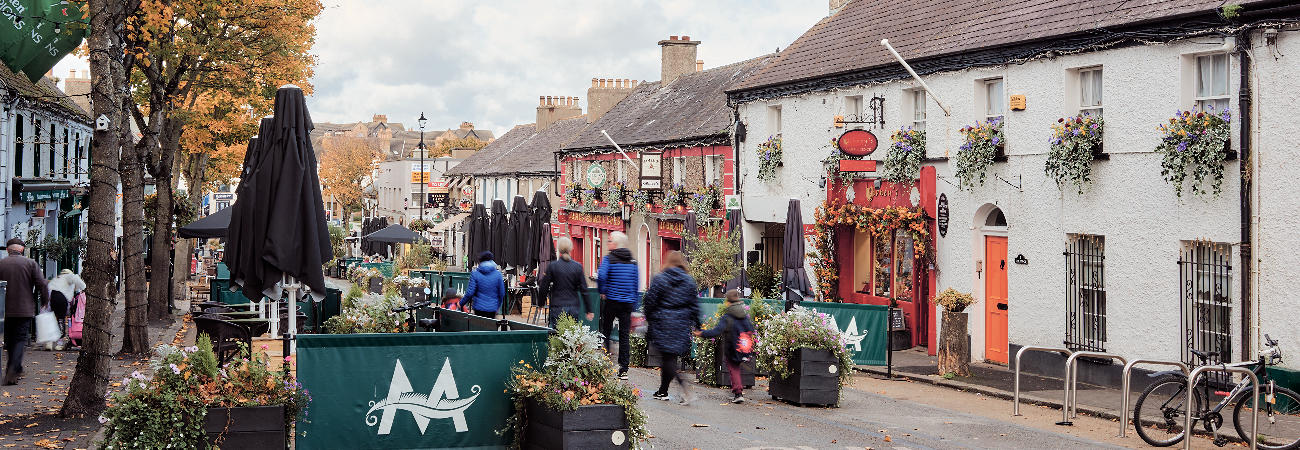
<point>541,223</point>
<point>690,228</point>
<point>241,219</point>
<point>517,248</point>
<point>394,233</point>
<point>498,233</point>
<point>478,227</point>
<point>733,227</point>
<point>212,226</point>
<point>371,247</point>
<point>793,276</point>
<point>289,238</point>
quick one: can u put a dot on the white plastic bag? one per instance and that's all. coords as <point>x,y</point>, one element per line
<point>47,327</point>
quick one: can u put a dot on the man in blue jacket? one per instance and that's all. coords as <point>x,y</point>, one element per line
<point>619,281</point>
<point>486,289</point>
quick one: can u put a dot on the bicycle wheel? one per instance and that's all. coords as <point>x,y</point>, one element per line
<point>1160,412</point>
<point>1279,422</point>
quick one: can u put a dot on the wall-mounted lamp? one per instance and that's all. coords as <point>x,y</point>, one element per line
<point>876,183</point>
<point>822,182</point>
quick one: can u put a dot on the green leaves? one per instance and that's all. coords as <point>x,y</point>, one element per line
<point>713,260</point>
<point>770,155</point>
<point>976,154</point>
<point>903,162</point>
<point>1073,143</point>
<point>1195,142</point>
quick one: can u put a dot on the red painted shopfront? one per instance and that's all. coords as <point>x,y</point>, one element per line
<point>877,269</point>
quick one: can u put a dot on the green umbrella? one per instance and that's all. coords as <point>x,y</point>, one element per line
<point>36,34</point>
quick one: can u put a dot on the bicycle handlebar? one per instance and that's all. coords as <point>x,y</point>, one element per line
<point>414,306</point>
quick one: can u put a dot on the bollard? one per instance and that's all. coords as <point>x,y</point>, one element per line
<point>1254,405</point>
<point>1015,397</point>
<point>1127,385</point>
<point>1069,406</point>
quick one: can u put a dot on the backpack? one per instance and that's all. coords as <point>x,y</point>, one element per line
<point>744,342</point>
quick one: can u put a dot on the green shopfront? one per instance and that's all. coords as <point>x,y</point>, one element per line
<point>48,215</point>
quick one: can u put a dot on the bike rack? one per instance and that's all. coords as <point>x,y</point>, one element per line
<point>1015,396</point>
<point>1127,384</point>
<point>1069,407</point>
<point>1254,417</point>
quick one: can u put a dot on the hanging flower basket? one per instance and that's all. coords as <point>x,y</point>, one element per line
<point>983,143</point>
<point>1195,142</point>
<point>769,158</point>
<point>1075,142</point>
<point>907,151</point>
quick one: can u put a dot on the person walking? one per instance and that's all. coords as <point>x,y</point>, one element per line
<point>487,287</point>
<point>619,280</point>
<point>25,285</point>
<point>563,285</point>
<point>672,310</point>
<point>735,321</point>
<point>63,289</point>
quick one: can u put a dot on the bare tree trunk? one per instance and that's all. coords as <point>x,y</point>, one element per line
<point>954,347</point>
<point>160,299</point>
<point>136,339</point>
<point>90,379</point>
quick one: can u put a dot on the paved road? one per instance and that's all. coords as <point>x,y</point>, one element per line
<point>865,420</point>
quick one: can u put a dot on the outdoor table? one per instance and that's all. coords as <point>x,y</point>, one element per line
<point>257,326</point>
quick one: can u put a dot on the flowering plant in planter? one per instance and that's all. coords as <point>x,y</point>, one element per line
<point>368,316</point>
<point>1074,143</point>
<point>675,196</point>
<point>618,192</point>
<point>640,200</point>
<point>769,158</point>
<point>976,154</point>
<point>589,198</point>
<point>577,373</point>
<point>166,406</point>
<point>1195,141</point>
<point>410,282</point>
<point>798,328</point>
<point>953,300</point>
<point>362,275</point>
<point>573,196</point>
<point>907,151</point>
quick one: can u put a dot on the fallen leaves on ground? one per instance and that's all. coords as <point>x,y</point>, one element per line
<point>888,439</point>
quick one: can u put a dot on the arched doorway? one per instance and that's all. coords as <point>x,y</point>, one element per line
<point>991,226</point>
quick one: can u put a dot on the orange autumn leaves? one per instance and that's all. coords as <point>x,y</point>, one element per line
<point>879,222</point>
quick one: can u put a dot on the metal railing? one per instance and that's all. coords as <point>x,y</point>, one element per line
<point>1015,396</point>
<point>1254,406</point>
<point>1069,407</point>
<point>1127,384</point>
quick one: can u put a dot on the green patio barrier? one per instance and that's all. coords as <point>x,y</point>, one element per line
<point>865,327</point>
<point>411,390</point>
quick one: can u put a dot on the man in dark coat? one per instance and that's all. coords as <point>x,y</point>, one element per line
<point>672,310</point>
<point>563,284</point>
<point>25,284</point>
<point>619,282</point>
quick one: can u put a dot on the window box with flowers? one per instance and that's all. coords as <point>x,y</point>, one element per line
<point>618,193</point>
<point>983,144</point>
<point>1196,142</point>
<point>804,353</point>
<point>906,152</point>
<point>573,197</point>
<point>640,200</point>
<point>675,197</point>
<point>769,158</point>
<point>1075,143</point>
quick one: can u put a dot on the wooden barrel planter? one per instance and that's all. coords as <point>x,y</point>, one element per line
<point>255,427</point>
<point>588,427</point>
<point>723,375</point>
<point>814,379</point>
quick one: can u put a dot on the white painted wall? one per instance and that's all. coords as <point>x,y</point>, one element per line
<point>1128,202</point>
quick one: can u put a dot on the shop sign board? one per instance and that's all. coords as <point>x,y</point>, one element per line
<point>732,202</point>
<point>595,175</point>
<point>865,329</point>
<point>857,142</point>
<point>594,220</point>
<point>671,228</point>
<point>652,170</point>
<point>942,215</point>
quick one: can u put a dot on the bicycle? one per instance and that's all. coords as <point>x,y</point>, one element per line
<point>1159,413</point>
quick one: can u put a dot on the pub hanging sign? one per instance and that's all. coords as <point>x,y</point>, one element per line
<point>857,143</point>
<point>942,212</point>
<point>652,171</point>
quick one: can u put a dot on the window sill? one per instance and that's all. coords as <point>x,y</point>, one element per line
<point>935,160</point>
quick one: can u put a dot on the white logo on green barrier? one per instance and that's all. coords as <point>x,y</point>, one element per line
<point>443,402</point>
<point>851,335</point>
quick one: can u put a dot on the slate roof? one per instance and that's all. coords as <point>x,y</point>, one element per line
<point>849,40</point>
<point>521,151</point>
<point>44,93</point>
<point>692,107</point>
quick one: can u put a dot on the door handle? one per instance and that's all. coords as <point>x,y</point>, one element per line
<point>1002,306</point>
<point>1002,265</point>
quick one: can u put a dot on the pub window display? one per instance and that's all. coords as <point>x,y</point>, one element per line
<point>888,259</point>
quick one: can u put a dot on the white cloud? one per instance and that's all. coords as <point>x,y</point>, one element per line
<point>487,62</point>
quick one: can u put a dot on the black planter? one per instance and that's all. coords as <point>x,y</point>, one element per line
<point>588,427</point>
<point>375,285</point>
<point>747,368</point>
<point>257,427</point>
<point>653,357</point>
<point>414,295</point>
<point>814,379</point>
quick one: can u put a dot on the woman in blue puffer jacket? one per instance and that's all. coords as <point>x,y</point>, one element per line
<point>672,311</point>
<point>487,288</point>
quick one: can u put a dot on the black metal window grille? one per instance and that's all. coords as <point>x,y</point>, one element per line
<point>1085,297</point>
<point>1205,280</point>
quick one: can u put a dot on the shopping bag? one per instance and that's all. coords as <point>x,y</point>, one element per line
<point>639,324</point>
<point>47,327</point>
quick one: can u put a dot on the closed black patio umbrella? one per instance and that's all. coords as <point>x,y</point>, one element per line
<point>212,226</point>
<point>478,227</point>
<point>692,229</point>
<point>499,231</point>
<point>794,279</point>
<point>542,243</point>
<point>733,227</point>
<point>520,243</point>
<point>395,233</point>
<point>241,220</point>
<point>288,236</point>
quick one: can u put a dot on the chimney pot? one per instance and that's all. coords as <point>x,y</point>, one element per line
<point>593,82</point>
<point>686,38</point>
<point>677,58</point>
<point>699,65</point>
<point>672,38</point>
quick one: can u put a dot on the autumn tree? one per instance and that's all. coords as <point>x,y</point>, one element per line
<point>345,165</point>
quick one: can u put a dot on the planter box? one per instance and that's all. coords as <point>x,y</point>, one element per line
<point>588,427</point>
<point>814,379</point>
<point>414,295</point>
<point>375,285</point>
<point>747,369</point>
<point>258,427</point>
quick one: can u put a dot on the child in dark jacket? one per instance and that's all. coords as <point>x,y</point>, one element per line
<point>735,320</point>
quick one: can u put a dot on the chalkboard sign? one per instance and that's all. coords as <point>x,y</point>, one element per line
<point>896,321</point>
<point>942,214</point>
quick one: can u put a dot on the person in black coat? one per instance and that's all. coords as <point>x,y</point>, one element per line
<point>563,285</point>
<point>735,320</point>
<point>672,310</point>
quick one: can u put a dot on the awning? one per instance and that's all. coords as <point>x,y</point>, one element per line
<point>41,189</point>
<point>450,222</point>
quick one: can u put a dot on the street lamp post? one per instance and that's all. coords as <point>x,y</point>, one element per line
<point>422,121</point>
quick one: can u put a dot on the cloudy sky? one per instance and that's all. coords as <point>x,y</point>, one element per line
<point>486,62</point>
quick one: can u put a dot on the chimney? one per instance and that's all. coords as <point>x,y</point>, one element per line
<point>551,109</point>
<point>837,5</point>
<point>605,93</point>
<point>678,58</point>
<point>699,65</point>
<point>467,125</point>
<point>381,118</point>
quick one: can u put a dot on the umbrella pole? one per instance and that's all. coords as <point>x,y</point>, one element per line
<point>291,285</point>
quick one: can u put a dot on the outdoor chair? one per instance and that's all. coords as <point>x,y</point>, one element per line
<point>218,310</point>
<point>226,336</point>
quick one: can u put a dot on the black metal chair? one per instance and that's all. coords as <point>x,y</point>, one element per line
<point>226,336</point>
<point>218,310</point>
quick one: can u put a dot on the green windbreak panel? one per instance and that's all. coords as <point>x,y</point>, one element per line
<point>709,306</point>
<point>411,390</point>
<point>1286,378</point>
<point>36,34</point>
<point>865,328</point>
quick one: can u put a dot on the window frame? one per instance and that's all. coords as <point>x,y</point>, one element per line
<point>1094,77</point>
<point>853,107</point>
<point>774,119</point>
<point>989,99</point>
<point>898,258</point>
<point>713,169</point>
<point>1086,319</point>
<point>1203,264</point>
<point>679,170</point>
<point>919,100</point>
<point>1201,100</point>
